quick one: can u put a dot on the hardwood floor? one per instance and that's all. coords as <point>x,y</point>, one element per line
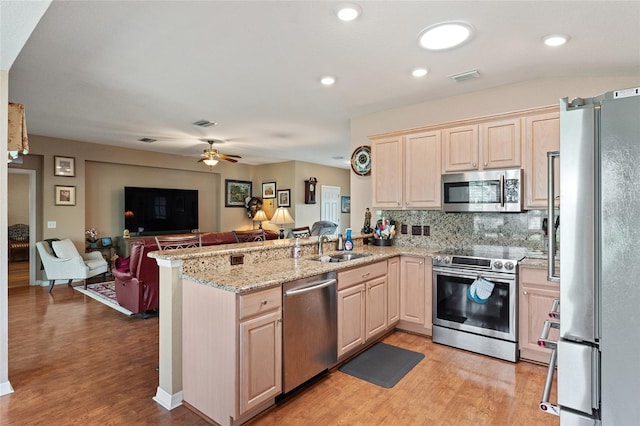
<point>76,361</point>
<point>18,274</point>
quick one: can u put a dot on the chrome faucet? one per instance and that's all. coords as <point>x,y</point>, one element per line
<point>321,239</point>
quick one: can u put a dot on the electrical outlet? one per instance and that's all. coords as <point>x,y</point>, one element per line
<point>416,230</point>
<point>237,259</point>
<point>426,230</point>
<point>51,224</point>
<point>403,229</point>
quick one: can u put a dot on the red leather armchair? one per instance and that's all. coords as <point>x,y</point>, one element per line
<point>137,284</point>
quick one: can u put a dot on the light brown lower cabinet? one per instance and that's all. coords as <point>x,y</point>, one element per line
<point>415,294</point>
<point>393,291</point>
<point>232,351</point>
<point>362,306</point>
<point>535,300</point>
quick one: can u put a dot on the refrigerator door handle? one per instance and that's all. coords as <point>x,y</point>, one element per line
<point>551,255</point>
<point>545,405</point>
<point>502,191</point>
<point>543,340</point>
<point>555,309</point>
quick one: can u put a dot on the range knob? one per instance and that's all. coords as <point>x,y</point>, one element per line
<point>497,264</point>
<point>437,259</point>
<point>446,260</point>
<point>509,266</point>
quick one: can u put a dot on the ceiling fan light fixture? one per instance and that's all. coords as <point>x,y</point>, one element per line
<point>445,35</point>
<point>210,161</point>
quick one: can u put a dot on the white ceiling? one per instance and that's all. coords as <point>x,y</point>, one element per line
<point>113,72</point>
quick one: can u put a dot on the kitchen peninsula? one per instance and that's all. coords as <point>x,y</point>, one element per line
<point>226,306</point>
<point>266,265</point>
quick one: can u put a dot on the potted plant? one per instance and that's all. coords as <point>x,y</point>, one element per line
<point>92,237</point>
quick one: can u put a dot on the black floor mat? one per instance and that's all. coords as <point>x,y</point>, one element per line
<point>382,364</point>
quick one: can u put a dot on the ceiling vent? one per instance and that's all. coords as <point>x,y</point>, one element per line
<point>147,140</point>
<point>205,123</point>
<point>467,75</point>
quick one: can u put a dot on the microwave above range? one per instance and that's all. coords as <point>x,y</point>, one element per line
<point>484,191</point>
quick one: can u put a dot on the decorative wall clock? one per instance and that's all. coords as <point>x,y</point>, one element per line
<point>361,160</point>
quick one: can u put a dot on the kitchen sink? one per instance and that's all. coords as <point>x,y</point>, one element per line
<point>342,257</point>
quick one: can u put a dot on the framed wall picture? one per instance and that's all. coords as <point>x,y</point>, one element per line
<point>64,166</point>
<point>65,195</point>
<point>284,198</point>
<point>268,190</point>
<point>345,204</point>
<point>236,192</point>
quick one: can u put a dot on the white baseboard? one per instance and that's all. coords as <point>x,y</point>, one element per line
<point>167,400</point>
<point>5,388</point>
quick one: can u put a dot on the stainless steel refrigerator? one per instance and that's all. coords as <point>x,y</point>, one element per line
<point>598,352</point>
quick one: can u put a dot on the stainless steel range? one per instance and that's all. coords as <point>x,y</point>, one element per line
<point>475,300</point>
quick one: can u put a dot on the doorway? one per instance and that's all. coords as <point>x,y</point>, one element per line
<point>21,208</point>
<point>330,204</point>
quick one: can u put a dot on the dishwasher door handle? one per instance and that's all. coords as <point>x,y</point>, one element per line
<point>310,287</point>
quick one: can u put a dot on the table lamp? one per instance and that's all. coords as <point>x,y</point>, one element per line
<point>260,216</point>
<point>281,217</point>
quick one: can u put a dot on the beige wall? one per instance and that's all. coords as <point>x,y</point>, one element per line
<point>498,100</point>
<point>17,198</point>
<point>307,214</point>
<point>291,175</point>
<point>103,171</point>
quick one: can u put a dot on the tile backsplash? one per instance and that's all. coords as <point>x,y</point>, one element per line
<point>463,230</point>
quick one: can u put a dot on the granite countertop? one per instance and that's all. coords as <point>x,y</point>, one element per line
<point>246,278</point>
<point>272,273</point>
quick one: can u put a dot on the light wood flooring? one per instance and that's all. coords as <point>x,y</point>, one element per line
<point>75,361</point>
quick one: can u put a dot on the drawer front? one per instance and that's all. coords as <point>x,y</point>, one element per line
<point>260,302</point>
<point>361,274</point>
<point>536,276</point>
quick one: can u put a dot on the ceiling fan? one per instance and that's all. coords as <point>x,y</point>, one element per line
<point>211,156</point>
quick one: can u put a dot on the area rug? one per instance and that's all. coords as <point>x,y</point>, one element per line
<point>382,364</point>
<point>104,293</point>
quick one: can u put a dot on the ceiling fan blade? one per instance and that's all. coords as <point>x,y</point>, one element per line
<point>225,158</point>
<point>231,155</point>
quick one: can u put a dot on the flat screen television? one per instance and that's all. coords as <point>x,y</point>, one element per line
<point>149,211</point>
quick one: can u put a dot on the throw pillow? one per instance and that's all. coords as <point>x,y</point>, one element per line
<point>64,249</point>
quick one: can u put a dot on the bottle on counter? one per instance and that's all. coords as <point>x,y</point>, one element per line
<point>297,250</point>
<point>340,243</point>
<point>348,243</point>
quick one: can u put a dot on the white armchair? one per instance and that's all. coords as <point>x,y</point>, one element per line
<point>61,261</point>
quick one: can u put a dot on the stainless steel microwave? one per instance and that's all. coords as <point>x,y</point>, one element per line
<point>485,191</point>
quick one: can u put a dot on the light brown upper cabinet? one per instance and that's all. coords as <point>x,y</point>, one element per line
<point>488,145</point>
<point>542,135</point>
<point>406,171</point>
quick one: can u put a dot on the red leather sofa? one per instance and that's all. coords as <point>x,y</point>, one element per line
<point>137,276</point>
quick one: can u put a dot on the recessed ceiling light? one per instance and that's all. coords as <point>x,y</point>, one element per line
<point>327,80</point>
<point>348,11</point>
<point>419,72</point>
<point>445,35</point>
<point>554,40</point>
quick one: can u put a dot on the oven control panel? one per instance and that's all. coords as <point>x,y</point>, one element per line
<point>475,263</point>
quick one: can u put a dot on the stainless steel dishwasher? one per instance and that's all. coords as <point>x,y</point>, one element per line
<point>310,328</point>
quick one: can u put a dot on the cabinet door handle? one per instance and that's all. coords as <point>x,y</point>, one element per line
<point>485,164</point>
<point>525,292</point>
<point>264,302</point>
<point>365,275</point>
<point>474,165</point>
